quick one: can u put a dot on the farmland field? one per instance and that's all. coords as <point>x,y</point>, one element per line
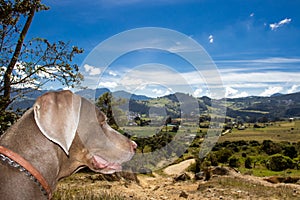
<point>277,131</point>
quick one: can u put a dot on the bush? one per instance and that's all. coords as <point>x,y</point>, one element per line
<point>223,155</point>
<point>270,147</point>
<point>212,158</point>
<point>233,162</point>
<point>279,162</point>
<point>254,143</point>
<point>7,118</point>
<point>248,163</point>
<point>290,151</point>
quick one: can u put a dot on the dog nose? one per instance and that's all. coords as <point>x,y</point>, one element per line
<point>134,145</point>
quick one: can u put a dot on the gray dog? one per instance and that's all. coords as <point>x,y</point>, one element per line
<point>61,134</point>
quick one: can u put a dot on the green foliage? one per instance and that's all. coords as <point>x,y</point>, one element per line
<point>279,162</point>
<point>105,103</point>
<point>7,118</point>
<point>212,159</point>
<point>141,122</point>
<point>248,163</point>
<point>223,155</point>
<point>234,161</point>
<point>255,156</point>
<point>154,142</point>
<point>270,147</point>
<point>29,63</point>
<point>290,151</point>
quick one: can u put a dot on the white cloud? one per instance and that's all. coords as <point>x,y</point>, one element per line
<point>271,90</point>
<point>211,39</point>
<point>112,73</point>
<point>274,26</point>
<point>252,15</point>
<point>271,60</point>
<point>197,92</point>
<point>158,91</point>
<point>239,77</point>
<point>92,70</point>
<point>230,92</point>
<point>110,85</point>
<point>293,89</point>
<point>234,93</point>
<point>270,77</point>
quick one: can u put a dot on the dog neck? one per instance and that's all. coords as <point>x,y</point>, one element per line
<point>47,157</point>
<point>16,161</point>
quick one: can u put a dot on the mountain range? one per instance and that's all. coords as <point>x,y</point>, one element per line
<point>248,109</point>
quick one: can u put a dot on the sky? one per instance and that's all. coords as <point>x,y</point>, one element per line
<point>252,47</point>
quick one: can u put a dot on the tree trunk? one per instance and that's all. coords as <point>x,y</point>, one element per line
<point>14,59</point>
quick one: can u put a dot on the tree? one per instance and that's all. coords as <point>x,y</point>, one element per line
<point>105,104</point>
<point>290,151</point>
<point>278,162</point>
<point>248,163</point>
<point>233,161</point>
<point>270,147</point>
<point>30,63</point>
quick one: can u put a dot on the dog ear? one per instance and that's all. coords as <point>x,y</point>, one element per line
<point>57,116</point>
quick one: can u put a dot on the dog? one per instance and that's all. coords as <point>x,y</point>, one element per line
<point>59,135</point>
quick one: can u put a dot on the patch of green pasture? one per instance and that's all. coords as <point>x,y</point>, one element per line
<point>279,131</point>
<point>263,172</point>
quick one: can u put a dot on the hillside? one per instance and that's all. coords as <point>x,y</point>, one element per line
<point>162,186</point>
<point>248,109</point>
<point>274,107</point>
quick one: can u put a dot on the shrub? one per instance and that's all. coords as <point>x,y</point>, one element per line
<point>223,155</point>
<point>248,163</point>
<point>270,147</point>
<point>7,118</point>
<point>254,143</point>
<point>279,162</point>
<point>234,147</point>
<point>212,158</point>
<point>290,151</point>
<point>233,161</point>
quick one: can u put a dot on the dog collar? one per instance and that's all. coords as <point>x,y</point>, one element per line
<point>16,161</point>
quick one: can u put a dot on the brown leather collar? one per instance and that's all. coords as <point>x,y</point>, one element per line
<point>27,166</point>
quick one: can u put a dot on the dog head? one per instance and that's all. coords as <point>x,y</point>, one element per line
<point>62,115</point>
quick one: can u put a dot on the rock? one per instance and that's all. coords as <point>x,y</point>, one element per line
<point>144,170</point>
<point>278,179</point>
<point>182,177</point>
<point>183,194</point>
<point>156,188</point>
<point>221,171</point>
<point>199,176</point>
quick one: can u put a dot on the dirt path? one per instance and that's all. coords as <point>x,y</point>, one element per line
<point>179,168</point>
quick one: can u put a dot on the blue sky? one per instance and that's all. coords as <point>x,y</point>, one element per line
<point>254,44</point>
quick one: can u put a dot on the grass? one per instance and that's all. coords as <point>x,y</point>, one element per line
<point>86,186</point>
<point>72,193</point>
<point>263,172</point>
<point>277,132</point>
<point>238,188</point>
<point>80,186</point>
<point>142,131</point>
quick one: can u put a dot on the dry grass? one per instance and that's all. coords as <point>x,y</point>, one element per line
<point>86,186</point>
<point>232,187</point>
<point>73,193</point>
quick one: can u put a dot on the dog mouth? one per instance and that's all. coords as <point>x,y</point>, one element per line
<point>103,166</point>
